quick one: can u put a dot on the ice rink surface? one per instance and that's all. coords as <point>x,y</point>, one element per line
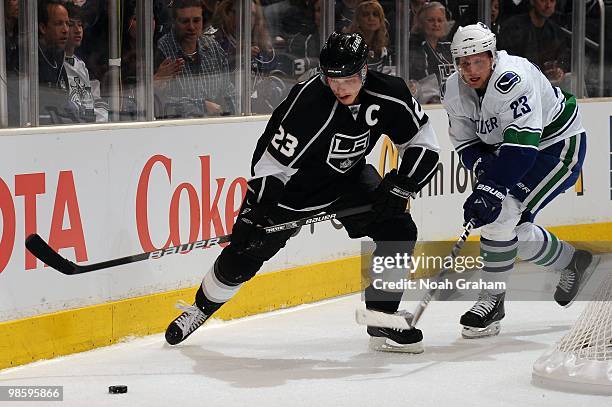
<point>316,355</point>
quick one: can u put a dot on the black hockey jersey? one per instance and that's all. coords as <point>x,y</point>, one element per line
<point>316,146</point>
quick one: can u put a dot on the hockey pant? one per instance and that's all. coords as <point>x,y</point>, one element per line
<point>513,233</point>
<point>232,269</point>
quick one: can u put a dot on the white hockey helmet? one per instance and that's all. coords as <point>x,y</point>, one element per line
<point>473,39</point>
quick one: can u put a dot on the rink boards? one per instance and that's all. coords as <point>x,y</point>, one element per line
<point>101,192</point>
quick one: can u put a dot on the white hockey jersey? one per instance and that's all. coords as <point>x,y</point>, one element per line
<point>520,107</point>
<point>85,93</point>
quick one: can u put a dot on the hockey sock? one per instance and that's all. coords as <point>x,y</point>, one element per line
<point>498,258</point>
<point>539,246</point>
<point>214,291</point>
<point>379,300</point>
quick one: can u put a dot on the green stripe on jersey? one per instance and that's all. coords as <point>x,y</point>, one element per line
<point>564,117</point>
<point>552,183</point>
<point>525,138</point>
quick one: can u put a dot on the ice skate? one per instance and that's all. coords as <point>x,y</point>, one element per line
<point>185,324</point>
<point>396,340</point>
<point>483,318</point>
<point>575,276</point>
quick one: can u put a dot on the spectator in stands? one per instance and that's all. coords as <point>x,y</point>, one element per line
<point>193,75</point>
<point>305,41</point>
<point>95,51</point>
<point>128,109</point>
<point>431,63</point>
<point>225,22</point>
<point>11,19</point>
<point>511,8</point>
<point>129,81</point>
<point>53,28</point>
<point>82,90</point>
<point>415,8</point>
<point>370,22</point>
<point>268,88</point>
<point>345,12</point>
<point>208,8</point>
<point>495,17</point>
<point>539,39</point>
<point>289,18</point>
<point>303,48</point>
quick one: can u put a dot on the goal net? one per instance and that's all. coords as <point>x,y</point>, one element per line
<point>582,360</point>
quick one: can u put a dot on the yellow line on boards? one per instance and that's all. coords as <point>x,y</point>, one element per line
<point>77,330</point>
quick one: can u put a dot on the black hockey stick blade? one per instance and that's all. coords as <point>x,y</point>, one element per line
<point>39,248</point>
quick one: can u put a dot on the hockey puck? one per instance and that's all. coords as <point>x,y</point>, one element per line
<point>117,389</point>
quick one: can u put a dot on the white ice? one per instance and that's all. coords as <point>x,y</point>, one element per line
<point>316,355</point>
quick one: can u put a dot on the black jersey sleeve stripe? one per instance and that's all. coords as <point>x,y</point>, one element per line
<point>418,163</point>
<point>265,190</point>
<point>401,102</point>
<point>316,77</point>
<point>312,140</point>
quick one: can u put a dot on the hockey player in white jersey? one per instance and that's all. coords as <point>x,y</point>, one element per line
<point>525,142</point>
<point>311,159</point>
<point>83,93</point>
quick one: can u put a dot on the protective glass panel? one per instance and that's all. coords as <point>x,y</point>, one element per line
<point>284,48</point>
<point>541,33</point>
<point>195,56</point>
<point>71,62</point>
<point>432,25</point>
<point>11,41</point>
<point>375,20</point>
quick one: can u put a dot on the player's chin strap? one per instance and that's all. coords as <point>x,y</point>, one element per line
<point>400,321</point>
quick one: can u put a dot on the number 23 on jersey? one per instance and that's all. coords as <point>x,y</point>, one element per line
<point>285,143</point>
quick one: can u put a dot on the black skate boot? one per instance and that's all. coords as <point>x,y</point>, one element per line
<point>185,324</point>
<point>396,340</point>
<point>483,318</point>
<point>574,277</point>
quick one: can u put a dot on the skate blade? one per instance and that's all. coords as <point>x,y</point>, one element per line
<point>469,332</point>
<point>380,344</point>
<point>587,275</point>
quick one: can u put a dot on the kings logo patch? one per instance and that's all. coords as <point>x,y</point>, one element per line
<point>345,151</point>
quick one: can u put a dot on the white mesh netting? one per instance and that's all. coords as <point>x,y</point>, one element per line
<point>582,360</point>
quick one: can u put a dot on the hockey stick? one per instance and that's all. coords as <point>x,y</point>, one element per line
<point>39,248</point>
<point>408,321</point>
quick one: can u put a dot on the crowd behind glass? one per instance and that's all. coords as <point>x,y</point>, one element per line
<point>198,52</point>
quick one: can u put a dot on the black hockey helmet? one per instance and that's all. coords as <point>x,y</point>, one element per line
<point>343,55</point>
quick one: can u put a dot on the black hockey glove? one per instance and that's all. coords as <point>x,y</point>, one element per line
<point>484,204</point>
<point>392,195</point>
<point>248,232</point>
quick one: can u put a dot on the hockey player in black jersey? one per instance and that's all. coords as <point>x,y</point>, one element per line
<point>311,159</point>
